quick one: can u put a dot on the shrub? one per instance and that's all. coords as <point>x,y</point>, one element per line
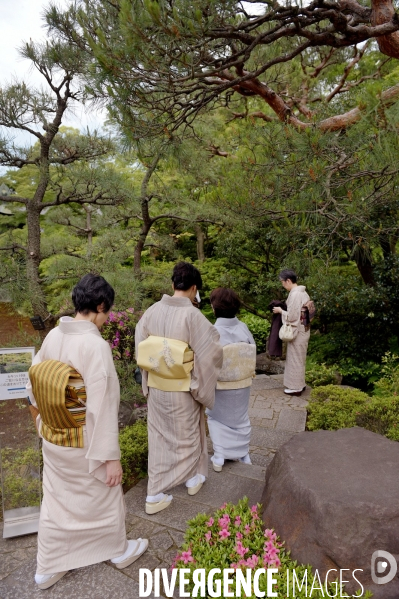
<point>21,477</point>
<point>119,332</point>
<point>234,537</point>
<point>259,327</point>
<point>333,407</point>
<point>320,374</point>
<point>133,442</point>
<point>381,415</point>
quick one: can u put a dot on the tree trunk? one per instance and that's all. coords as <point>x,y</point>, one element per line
<point>365,268</point>
<point>33,258</point>
<point>200,243</point>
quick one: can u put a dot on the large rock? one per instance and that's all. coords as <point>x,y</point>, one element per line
<point>333,497</point>
<point>269,365</point>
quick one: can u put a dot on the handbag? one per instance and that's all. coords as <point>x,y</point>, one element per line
<point>286,332</point>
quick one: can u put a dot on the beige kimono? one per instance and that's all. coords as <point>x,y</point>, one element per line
<point>82,521</point>
<point>176,422</point>
<point>295,365</point>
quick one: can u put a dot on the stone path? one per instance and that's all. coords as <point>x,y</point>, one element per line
<point>275,419</point>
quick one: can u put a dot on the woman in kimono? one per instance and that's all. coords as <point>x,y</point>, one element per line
<point>295,365</point>
<point>74,385</point>
<point>228,421</point>
<point>167,332</point>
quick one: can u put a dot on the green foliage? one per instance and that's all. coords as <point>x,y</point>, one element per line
<point>234,537</point>
<point>318,375</point>
<point>260,329</point>
<point>381,415</point>
<point>133,442</point>
<point>21,477</point>
<point>333,407</point>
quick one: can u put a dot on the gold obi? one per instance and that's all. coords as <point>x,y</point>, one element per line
<point>168,362</point>
<point>238,370</point>
<point>61,399</point>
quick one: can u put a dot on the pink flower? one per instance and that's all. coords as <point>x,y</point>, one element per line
<point>240,549</point>
<point>252,561</point>
<point>210,522</point>
<point>222,507</point>
<point>269,533</point>
<point>254,509</point>
<point>277,562</point>
<point>224,521</point>
<point>238,535</point>
<point>186,557</point>
<point>237,521</point>
<point>247,529</point>
<point>208,536</point>
<point>224,533</point>
<point>121,323</point>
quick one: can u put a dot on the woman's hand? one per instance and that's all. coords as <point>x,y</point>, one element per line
<point>114,473</point>
<point>277,310</point>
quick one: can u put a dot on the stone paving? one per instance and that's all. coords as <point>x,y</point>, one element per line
<point>275,419</point>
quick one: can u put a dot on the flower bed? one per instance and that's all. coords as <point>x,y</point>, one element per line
<point>234,538</point>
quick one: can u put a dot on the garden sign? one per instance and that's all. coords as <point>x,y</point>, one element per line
<point>14,365</point>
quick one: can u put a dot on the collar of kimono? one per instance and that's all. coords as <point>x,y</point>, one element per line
<point>176,301</point>
<point>227,322</point>
<point>70,326</point>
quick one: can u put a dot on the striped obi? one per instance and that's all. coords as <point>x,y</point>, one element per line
<point>61,399</point>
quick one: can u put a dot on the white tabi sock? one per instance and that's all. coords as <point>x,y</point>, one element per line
<point>195,480</point>
<point>159,497</point>
<point>40,578</point>
<point>246,459</point>
<point>217,461</point>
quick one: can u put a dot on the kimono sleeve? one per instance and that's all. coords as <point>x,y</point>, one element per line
<point>208,359</point>
<point>102,407</point>
<point>141,334</point>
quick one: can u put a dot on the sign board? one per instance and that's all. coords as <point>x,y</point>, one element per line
<point>14,365</point>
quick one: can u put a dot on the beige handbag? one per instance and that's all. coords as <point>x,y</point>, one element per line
<point>286,332</point>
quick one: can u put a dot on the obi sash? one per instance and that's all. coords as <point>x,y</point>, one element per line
<point>168,362</point>
<point>61,398</point>
<point>238,370</point>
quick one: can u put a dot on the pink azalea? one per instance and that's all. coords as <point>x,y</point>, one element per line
<point>254,509</point>
<point>277,562</point>
<point>269,533</point>
<point>224,533</point>
<point>240,549</point>
<point>222,507</point>
<point>208,536</point>
<point>238,535</point>
<point>121,323</point>
<point>252,561</point>
<point>237,521</point>
<point>186,557</point>
<point>224,521</point>
<point>210,522</point>
<point>269,546</point>
<point>247,529</point>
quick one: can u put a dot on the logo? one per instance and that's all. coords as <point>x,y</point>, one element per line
<point>383,562</point>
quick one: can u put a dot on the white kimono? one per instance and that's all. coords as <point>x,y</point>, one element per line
<point>82,521</point>
<point>228,421</point>
<point>295,365</point>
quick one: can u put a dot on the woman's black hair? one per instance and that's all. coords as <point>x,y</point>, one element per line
<point>90,292</point>
<point>288,273</point>
<point>185,275</point>
<point>225,302</point>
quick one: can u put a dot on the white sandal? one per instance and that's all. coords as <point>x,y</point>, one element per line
<point>158,506</point>
<point>45,581</point>
<point>132,557</point>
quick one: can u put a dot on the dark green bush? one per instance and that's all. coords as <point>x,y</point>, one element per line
<point>381,415</point>
<point>333,407</point>
<point>259,327</point>
<point>133,442</point>
<point>318,375</point>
